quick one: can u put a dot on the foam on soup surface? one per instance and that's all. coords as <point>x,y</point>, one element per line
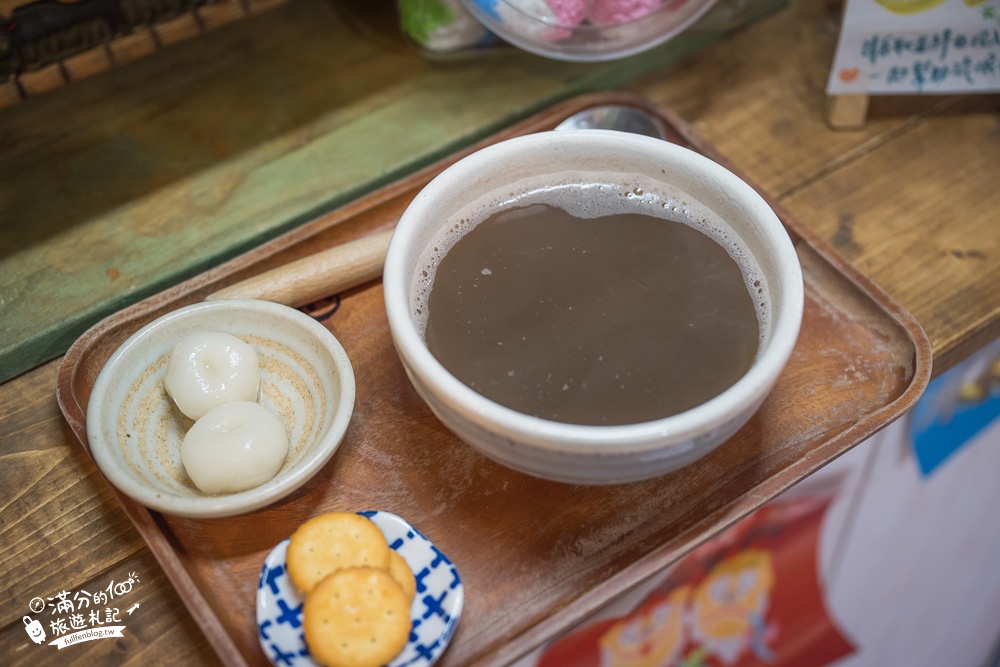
<point>609,303</point>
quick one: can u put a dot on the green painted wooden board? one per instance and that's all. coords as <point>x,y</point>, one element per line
<point>126,183</point>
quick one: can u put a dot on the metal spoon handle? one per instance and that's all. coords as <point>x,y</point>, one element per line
<point>317,276</point>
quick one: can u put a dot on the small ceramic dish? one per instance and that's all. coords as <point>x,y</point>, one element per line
<point>436,607</point>
<point>135,431</point>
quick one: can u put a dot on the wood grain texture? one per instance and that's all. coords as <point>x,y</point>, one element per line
<point>195,154</point>
<point>59,521</point>
<point>158,632</point>
<point>847,112</point>
<point>761,102</point>
<point>907,196</point>
<point>760,106</point>
<point>902,212</point>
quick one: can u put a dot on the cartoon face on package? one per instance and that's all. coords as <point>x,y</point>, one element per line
<point>749,597</point>
<point>730,605</point>
<point>652,636</point>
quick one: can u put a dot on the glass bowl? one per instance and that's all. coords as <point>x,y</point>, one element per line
<point>587,30</point>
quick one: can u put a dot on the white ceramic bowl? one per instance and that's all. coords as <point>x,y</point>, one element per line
<point>135,431</point>
<point>590,31</point>
<point>577,453</point>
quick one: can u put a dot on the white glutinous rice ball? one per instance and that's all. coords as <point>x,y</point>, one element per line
<point>236,446</point>
<point>209,369</point>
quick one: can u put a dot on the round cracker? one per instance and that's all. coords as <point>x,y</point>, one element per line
<point>333,541</point>
<point>357,617</point>
<point>401,573</point>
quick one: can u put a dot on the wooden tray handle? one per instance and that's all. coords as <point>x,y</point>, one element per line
<point>317,276</point>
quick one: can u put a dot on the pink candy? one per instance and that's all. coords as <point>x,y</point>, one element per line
<point>600,12</point>
<point>569,12</point>
<point>612,12</point>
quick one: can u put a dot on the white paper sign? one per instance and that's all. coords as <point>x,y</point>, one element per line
<point>906,47</point>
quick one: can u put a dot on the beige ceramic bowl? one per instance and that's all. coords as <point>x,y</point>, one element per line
<point>135,431</point>
<point>572,452</point>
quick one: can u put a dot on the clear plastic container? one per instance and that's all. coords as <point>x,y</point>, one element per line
<point>586,30</point>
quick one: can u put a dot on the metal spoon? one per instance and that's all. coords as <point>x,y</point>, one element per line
<point>354,263</point>
<point>616,117</point>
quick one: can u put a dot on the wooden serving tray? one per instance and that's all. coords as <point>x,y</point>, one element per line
<point>536,557</point>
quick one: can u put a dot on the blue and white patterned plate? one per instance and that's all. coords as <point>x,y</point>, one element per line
<point>435,610</point>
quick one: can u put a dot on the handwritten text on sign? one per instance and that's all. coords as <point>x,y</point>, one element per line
<point>918,46</point>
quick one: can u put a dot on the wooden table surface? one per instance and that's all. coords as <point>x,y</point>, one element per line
<point>911,200</point>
